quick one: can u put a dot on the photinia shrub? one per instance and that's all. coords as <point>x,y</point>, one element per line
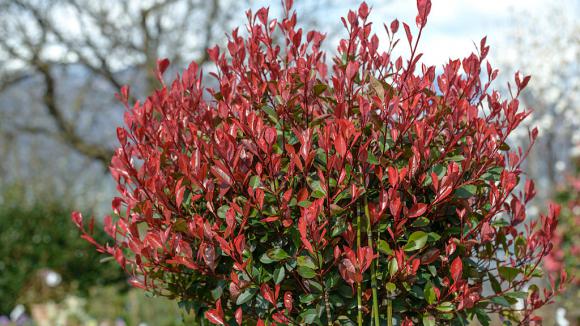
<point>299,191</point>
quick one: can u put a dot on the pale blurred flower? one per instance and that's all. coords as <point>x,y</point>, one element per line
<point>52,278</point>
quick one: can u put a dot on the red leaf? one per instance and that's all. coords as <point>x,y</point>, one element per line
<point>395,204</point>
<point>430,256</point>
<point>351,69</point>
<point>77,219</point>
<point>281,318</point>
<point>456,269</point>
<point>340,146</point>
<point>348,271</point>
<point>302,224</point>
<point>213,317</point>
<point>238,315</point>
<point>270,219</point>
<point>122,136</point>
<point>262,15</point>
<point>363,10</point>
<point>123,95</point>
<point>288,301</point>
<point>179,192</point>
<point>213,53</point>
<point>116,204</point>
<point>267,293</point>
<point>209,256</point>
<point>108,226</point>
<point>423,8</point>
<point>162,65</point>
<point>487,232</point>
<point>216,316</point>
<point>136,283</point>
<point>119,257</point>
<point>417,210</point>
<point>393,176</point>
<point>408,32</point>
<point>394,26</point>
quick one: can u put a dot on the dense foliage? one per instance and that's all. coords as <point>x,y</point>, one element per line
<point>38,238</point>
<point>362,190</point>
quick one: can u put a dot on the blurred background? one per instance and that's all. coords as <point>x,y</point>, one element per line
<point>61,61</point>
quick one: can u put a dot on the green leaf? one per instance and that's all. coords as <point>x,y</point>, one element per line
<point>417,240</point>
<point>217,292</point>
<point>508,273</point>
<point>455,158</point>
<point>318,194</point>
<point>432,236</point>
<point>279,275</point>
<point>432,269</point>
<point>384,247</point>
<point>496,287</point>
<point>246,296</point>
<point>309,316</point>
<point>517,295</point>
<point>466,191</point>
<point>306,272</point>
<point>317,286</point>
<point>393,267</point>
<point>420,222</point>
<point>317,190</point>
<point>428,320</point>
<point>271,113</point>
<point>371,158</point>
<point>445,307</point>
<point>309,298</point>
<point>319,89</point>
<point>504,147</point>
<point>345,321</point>
<point>500,223</point>
<point>482,317</point>
<point>306,261</point>
<point>254,181</point>
<point>277,254</point>
<point>391,288</point>
<point>305,203</point>
<point>429,293</point>
<point>222,210</point>
<point>501,301</point>
<point>339,227</point>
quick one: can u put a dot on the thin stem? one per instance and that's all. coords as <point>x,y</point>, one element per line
<point>325,291</point>
<point>359,303</point>
<point>389,312</point>
<point>358,285</point>
<point>373,269</point>
<point>327,306</point>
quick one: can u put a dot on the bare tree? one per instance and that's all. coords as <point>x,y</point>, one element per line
<point>104,37</point>
<point>551,54</point>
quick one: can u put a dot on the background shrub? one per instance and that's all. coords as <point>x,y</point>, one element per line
<point>36,238</point>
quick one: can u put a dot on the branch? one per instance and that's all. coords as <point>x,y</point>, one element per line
<point>66,130</point>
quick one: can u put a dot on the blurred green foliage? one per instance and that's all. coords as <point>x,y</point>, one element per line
<point>135,307</point>
<point>40,237</point>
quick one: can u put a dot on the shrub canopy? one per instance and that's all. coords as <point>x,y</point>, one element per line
<point>301,191</point>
